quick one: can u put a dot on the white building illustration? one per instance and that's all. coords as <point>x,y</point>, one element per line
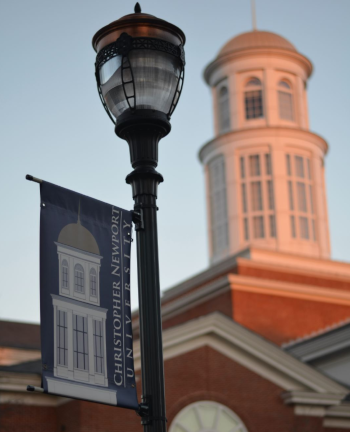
<point>79,321</point>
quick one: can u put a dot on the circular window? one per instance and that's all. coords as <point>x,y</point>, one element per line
<point>207,416</point>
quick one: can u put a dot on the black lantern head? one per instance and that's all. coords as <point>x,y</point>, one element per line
<point>139,65</point>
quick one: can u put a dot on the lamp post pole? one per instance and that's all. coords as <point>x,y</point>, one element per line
<point>143,131</point>
<point>140,72</point>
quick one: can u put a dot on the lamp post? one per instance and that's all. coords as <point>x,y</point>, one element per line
<point>140,73</point>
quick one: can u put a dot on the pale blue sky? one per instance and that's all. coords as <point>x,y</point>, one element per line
<point>53,125</point>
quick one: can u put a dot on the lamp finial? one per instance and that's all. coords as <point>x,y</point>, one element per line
<point>137,8</point>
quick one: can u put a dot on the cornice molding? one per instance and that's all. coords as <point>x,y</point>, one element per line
<point>192,299</point>
<point>264,132</point>
<point>246,348</point>
<point>303,61</point>
<point>13,390</point>
<point>287,289</point>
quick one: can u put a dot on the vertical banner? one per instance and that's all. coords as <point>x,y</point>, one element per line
<point>86,330</point>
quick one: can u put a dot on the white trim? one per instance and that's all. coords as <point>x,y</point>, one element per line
<point>246,348</point>
<point>79,307</point>
<point>192,299</point>
<point>336,423</point>
<point>13,390</point>
<point>286,289</point>
<point>80,391</point>
<point>323,399</point>
<point>309,411</point>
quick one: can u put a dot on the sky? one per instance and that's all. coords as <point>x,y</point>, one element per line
<point>54,127</point>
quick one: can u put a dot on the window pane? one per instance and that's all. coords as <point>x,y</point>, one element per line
<point>289,168</point>
<point>292,225</point>
<point>98,346</point>
<point>299,166</point>
<point>218,204</point>
<point>93,282</point>
<point>272,223</point>
<point>311,199</point>
<point>258,226</point>
<point>268,164</point>
<point>254,165</point>
<point>313,230</point>
<point>61,335</point>
<point>253,104</point>
<point>304,227</point>
<point>224,109</point>
<point>80,342</point>
<point>253,82</point>
<point>79,278</point>
<point>270,195</point>
<point>256,194</point>
<point>308,168</point>
<point>246,229</point>
<point>64,274</point>
<point>285,106</point>
<point>301,191</point>
<point>242,167</point>
<point>244,198</point>
<point>290,191</point>
<point>284,84</point>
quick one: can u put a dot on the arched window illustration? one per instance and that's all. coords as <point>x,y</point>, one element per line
<point>93,282</point>
<point>65,274</point>
<point>253,99</point>
<point>224,109</point>
<point>285,101</point>
<point>79,278</point>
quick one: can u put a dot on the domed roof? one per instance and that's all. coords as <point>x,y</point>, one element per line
<point>256,39</point>
<point>77,236</point>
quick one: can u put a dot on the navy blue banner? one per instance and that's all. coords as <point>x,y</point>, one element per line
<point>86,332</point>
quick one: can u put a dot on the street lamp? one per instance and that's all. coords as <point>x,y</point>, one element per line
<point>140,72</point>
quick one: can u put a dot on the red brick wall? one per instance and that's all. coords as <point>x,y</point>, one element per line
<point>221,303</point>
<point>202,374</point>
<point>26,418</point>
<point>281,319</point>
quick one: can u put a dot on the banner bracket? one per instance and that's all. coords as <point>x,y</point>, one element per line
<point>34,179</point>
<point>35,389</point>
<point>137,218</point>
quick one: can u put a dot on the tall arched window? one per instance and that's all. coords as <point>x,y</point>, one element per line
<point>253,99</point>
<point>207,416</point>
<point>65,274</point>
<point>257,196</point>
<point>301,200</point>
<point>218,205</point>
<point>224,109</point>
<point>285,101</point>
<point>93,282</point>
<point>79,278</point>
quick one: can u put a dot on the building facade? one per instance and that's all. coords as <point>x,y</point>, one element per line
<point>259,341</point>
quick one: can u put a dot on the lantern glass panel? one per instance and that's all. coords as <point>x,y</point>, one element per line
<point>156,76</point>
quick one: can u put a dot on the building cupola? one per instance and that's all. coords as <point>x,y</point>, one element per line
<point>264,168</point>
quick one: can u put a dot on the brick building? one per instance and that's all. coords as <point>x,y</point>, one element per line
<point>260,340</point>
